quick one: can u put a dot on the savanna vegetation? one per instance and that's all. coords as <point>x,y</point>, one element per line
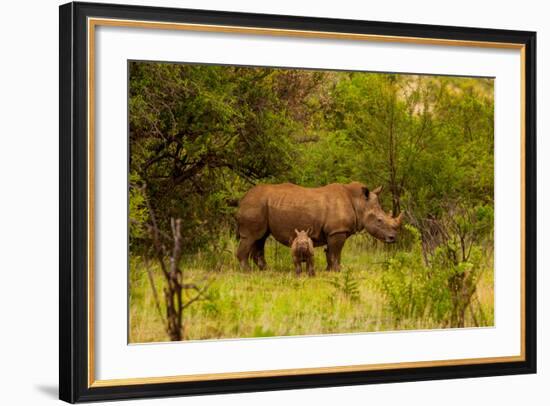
<point>201,136</point>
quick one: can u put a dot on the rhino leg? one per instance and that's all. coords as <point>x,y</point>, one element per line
<point>244,251</point>
<point>334,246</point>
<point>258,253</point>
<point>252,236</point>
<point>310,267</point>
<point>297,265</point>
<point>329,263</point>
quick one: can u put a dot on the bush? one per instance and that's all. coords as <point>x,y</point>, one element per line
<point>440,289</point>
<point>346,285</point>
<point>409,285</point>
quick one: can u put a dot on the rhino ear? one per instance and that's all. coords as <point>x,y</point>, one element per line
<point>365,191</point>
<point>296,231</point>
<point>399,219</point>
<point>378,190</point>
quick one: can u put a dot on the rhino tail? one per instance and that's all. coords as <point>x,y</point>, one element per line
<point>232,202</point>
<point>236,229</point>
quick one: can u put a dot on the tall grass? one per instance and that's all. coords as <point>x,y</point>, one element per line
<point>276,302</point>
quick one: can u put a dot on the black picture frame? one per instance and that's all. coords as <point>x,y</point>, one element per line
<point>73,255</point>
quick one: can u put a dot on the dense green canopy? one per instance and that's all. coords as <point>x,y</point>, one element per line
<point>200,136</point>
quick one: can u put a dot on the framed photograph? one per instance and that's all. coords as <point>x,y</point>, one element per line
<point>257,202</point>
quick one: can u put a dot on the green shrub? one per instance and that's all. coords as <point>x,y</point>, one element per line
<point>346,284</point>
<point>407,282</point>
<point>440,290</point>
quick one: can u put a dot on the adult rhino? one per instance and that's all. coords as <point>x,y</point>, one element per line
<point>332,213</point>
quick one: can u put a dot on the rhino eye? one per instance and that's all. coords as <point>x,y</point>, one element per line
<point>379,220</point>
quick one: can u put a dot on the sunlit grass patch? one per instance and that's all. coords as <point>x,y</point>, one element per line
<point>276,302</point>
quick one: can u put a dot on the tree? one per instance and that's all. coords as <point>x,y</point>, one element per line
<point>428,139</point>
<point>202,134</point>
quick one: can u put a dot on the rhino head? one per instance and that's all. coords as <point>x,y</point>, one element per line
<point>302,236</point>
<point>371,216</point>
<point>378,223</point>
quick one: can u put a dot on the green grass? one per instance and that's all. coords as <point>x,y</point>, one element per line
<point>276,302</point>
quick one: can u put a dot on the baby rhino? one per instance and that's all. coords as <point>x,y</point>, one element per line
<point>302,251</point>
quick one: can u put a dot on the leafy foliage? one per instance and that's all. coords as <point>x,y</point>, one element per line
<point>443,287</point>
<point>428,139</point>
<point>200,135</point>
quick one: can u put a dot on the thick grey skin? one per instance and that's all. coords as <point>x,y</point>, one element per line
<point>332,213</point>
<point>301,249</point>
